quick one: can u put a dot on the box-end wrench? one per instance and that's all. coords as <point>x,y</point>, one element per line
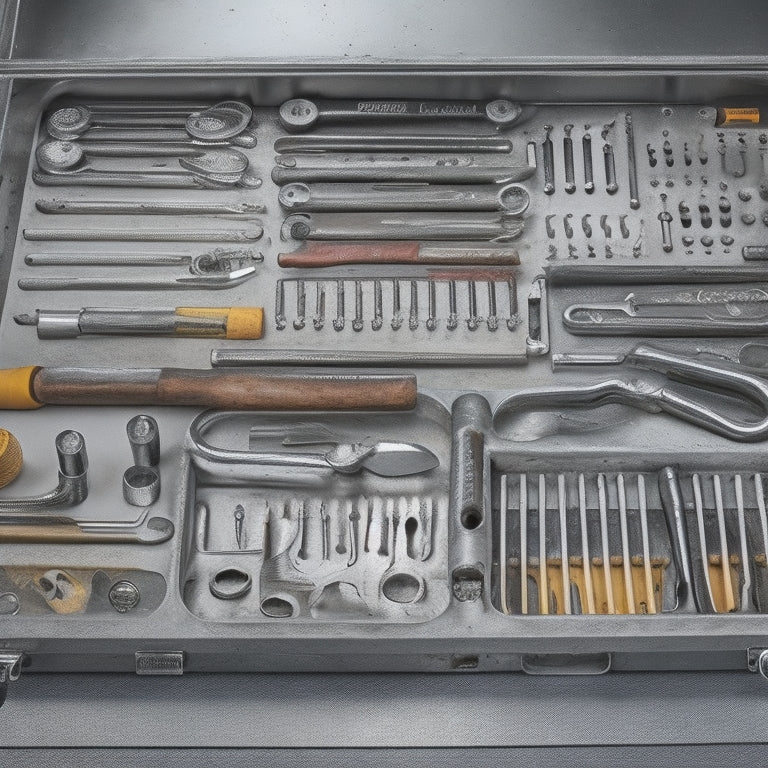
<point>298,115</point>
<point>34,528</point>
<point>426,169</point>
<point>401,226</point>
<point>299,196</point>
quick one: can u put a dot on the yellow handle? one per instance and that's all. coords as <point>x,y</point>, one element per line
<point>11,458</point>
<point>16,389</point>
<point>241,322</point>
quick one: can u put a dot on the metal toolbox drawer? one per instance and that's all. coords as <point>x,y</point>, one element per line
<point>594,486</point>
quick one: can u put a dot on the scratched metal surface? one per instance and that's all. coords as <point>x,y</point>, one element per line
<point>498,640</point>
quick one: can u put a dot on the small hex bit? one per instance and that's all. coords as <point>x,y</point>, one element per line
<point>611,185</point>
<point>567,225</point>
<point>357,323</point>
<point>549,227</point>
<point>453,313</point>
<point>492,321</point>
<point>570,176</point>
<point>413,314</point>
<point>338,321</point>
<point>702,153</point>
<point>549,162</point>
<point>378,316</point>
<point>605,226</point>
<point>742,157</point>
<point>652,161</point>
<point>586,148</point>
<point>397,315</point>
<point>665,217</point>
<point>280,319</point>
<point>301,306</point>
<point>623,226</point>
<point>687,159</point>
<point>473,321</point>
<point>239,520</point>
<point>432,306</point>
<point>585,225</point>
<point>668,157</point>
<point>634,200</point>
<point>721,150</point>
<point>514,310</point>
<point>319,319</point>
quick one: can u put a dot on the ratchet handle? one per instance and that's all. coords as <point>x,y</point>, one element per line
<point>223,389</point>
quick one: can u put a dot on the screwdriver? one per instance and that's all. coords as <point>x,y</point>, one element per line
<point>187,322</point>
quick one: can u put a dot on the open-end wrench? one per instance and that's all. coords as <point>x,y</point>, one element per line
<point>183,283</point>
<point>146,208</point>
<point>426,169</point>
<point>35,528</point>
<point>401,226</point>
<point>298,115</point>
<point>401,143</point>
<point>216,261</point>
<point>169,180</point>
<point>145,235</point>
<point>298,196</point>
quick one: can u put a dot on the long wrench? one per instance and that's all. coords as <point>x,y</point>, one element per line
<point>401,143</point>
<point>218,260</point>
<point>149,180</point>
<point>427,169</point>
<point>299,196</point>
<point>726,313</point>
<point>145,235</point>
<point>401,226</point>
<point>225,280</point>
<point>145,208</point>
<point>298,115</point>
<point>34,528</point>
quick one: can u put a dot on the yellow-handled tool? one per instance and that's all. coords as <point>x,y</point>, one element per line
<point>188,322</point>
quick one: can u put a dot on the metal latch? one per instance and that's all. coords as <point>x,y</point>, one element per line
<point>566,663</point>
<point>757,661</point>
<point>159,662</point>
<point>10,671</point>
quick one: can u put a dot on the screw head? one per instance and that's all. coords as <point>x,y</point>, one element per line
<point>124,596</point>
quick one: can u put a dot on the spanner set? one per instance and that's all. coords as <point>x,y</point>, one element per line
<point>483,374</point>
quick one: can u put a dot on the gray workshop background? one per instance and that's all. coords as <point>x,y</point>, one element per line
<point>489,719</point>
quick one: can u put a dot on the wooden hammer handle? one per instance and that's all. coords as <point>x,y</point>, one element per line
<point>224,389</point>
<point>340,254</point>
